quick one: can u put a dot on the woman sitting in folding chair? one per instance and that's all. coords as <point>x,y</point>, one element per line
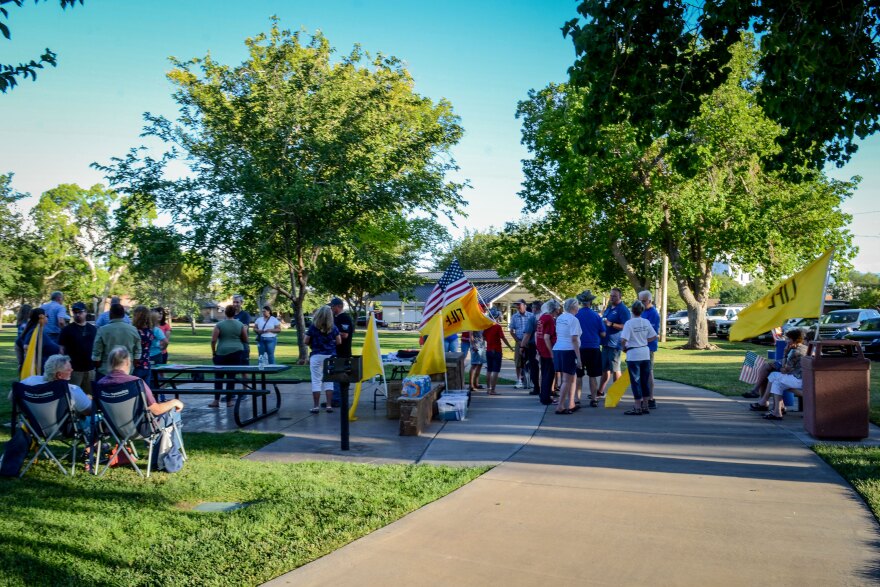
<point>120,364</point>
<point>162,417</point>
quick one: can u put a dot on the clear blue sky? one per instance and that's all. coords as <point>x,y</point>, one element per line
<point>482,55</point>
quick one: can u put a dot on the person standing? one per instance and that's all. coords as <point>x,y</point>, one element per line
<point>104,318</point>
<point>493,337</point>
<point>34,333</point>
<point>634,339</point>
<point>24,312</point>
<point>76,341</point>
<point>566,358</point>
<point>343,322</point>
<point>142,320</point>
<point>115,333</point>
<point>545,332</point>
<point>267,327</point>
<point>245,318</point>
<point>614,317</point>
<point>323,339</point>
<point>56,315</point>
<point>592,333</point>
<point>164,324</point>
<point>653,316</point>
<point>227,345</point>
<point>517,328</point>
<point>529,349</point>
<point>478,359</point>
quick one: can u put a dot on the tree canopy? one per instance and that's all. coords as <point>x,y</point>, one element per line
<point>651,64</point>
<point>9,73</point>
<point>290,149</point>
<point>631,203</point>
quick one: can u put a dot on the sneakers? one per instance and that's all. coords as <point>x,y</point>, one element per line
<point>519,384</point>
<point>652,404</point>
<point>314,410</point>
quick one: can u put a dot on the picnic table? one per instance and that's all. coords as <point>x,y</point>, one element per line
<point>250,380</point>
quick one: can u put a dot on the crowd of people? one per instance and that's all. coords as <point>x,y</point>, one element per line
<point>557,345</point>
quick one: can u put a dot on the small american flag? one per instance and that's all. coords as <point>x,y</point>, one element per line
<point>451,286</point>
<point>751,366</point>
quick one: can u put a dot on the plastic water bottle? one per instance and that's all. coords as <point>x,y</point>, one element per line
<point>262,361</point>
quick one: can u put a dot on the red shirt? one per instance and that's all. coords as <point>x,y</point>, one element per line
<point>546,325</point>
<point>493,336</point>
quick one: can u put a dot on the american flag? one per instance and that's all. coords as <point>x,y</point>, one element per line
<point>751,366</point>
<point>451,286</point>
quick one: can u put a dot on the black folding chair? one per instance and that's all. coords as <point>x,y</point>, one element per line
<point>47,412</point>
<point>125,417</point>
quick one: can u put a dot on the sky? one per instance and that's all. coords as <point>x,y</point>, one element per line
<point>483,56</point>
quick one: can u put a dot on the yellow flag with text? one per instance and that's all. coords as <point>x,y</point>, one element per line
<point>800,296</point>
<point>33,359</point>
<point>431,358</point>
<point>371,362</point>
<point>464,314</point>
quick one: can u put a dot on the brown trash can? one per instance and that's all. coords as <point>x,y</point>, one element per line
<point>836,390</point>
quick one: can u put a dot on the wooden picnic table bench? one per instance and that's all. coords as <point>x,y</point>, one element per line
<point>250,380</point>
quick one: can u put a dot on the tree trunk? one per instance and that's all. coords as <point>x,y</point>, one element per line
<point>637,281</point>
<point>192,322</point>
<point>695,293</point>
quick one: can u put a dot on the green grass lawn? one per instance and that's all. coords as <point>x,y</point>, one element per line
<point>858,465</point>
<point>124,530</point>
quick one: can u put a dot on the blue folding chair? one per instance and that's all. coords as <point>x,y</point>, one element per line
<point>47,413</point>
<point>125,417</point>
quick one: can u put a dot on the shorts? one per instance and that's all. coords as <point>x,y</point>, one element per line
<point>493,361</point>
<point>477,356</point>
<point>565,361</point>
<point>591,363</point>
<point>466,348</point>
<point>517,356</point>
<point>316,367</point>
<point>610,359</point>
<point>83,379</point>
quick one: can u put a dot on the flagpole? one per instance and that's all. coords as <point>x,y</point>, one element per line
<point>824,289</point>
<point>443,334</point>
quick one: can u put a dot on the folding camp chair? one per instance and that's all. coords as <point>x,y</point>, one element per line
<point>125,417</point>
<point>46,411</point>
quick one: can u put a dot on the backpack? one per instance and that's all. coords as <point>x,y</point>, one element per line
<point>16,452</point>
<point>166,452</point>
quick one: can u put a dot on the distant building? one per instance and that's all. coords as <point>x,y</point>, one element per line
<point>493,289</point>
<point>738,275</point>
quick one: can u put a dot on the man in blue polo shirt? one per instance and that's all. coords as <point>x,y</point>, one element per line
<point>56,315</point>
<point>653,316</point>
<point>592,334</point>
<point>614,317</point>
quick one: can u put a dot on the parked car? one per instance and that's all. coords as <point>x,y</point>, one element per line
<point>839,323</point>
<point>718,313</point>
<point>677,322</point>
<point>722,328</point>
<point>868,335</point>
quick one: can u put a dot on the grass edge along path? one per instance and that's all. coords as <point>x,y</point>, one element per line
<point>860,466</point>
<point>124,530</point>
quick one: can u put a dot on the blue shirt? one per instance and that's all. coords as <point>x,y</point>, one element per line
<point>618,314</point>
<point>320,343</point>
<point>592,328</point>
<point>652,316</point>
<point>158,336</point>
<point>54,311</point>
<point>104,319</point>
<point>519,323</point>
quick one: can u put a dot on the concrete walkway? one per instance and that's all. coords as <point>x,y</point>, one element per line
<point>701,492</point>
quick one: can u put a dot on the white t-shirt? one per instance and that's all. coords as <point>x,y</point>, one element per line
<point>636,332</point>
<point>268,324</point>
<point>81,402</point>
<point>567,325</point>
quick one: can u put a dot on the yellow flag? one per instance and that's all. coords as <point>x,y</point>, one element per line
<point>371,362</point>
<point>431,359</point>
<point>616,391</point>
<point>464,314</point>
<point>800,296</point>
<point>33,360</point>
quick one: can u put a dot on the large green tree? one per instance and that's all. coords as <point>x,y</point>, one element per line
<point>634,200</point>
<point>77,254</point>
<point>652,63</point>
<point>289,149</point>
<point>474,250</point>
<point>16,248</point>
